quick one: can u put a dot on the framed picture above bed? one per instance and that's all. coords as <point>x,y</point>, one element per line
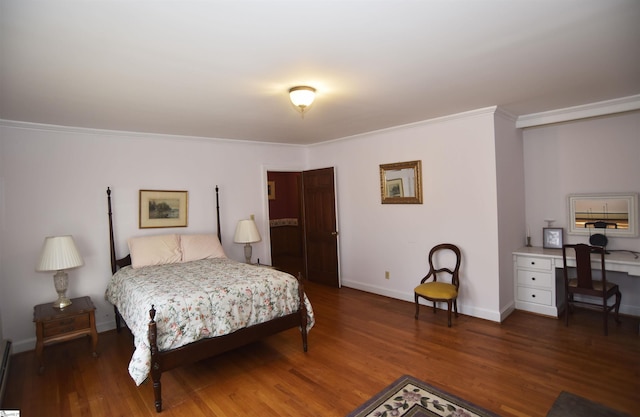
<point>159,208</point>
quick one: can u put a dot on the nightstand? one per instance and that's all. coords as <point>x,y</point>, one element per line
<point>57,325</point>
<point>263,265</point>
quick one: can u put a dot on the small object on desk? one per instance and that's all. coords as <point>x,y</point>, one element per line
<point>57,325</point>
<point>528,241</point>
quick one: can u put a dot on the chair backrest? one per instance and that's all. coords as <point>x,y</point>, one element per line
<point>435,270</point>
<point>583,265</point>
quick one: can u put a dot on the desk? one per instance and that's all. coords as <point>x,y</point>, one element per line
<point>539,285</point>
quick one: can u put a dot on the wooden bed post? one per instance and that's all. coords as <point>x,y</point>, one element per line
<point>111,240</point>
<point>303,313</point>
<point>218,215</point>
<point>156,369</point>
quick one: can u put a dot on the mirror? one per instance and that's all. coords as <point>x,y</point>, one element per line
<point>608,214</point>
<point>401,183</point>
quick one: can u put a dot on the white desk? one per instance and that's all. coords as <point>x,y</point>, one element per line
<point>538,276</point>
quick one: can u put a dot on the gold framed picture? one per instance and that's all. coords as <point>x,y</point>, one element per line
<point>401,183</point>
<point>271,190</point>
<point>160,208</point>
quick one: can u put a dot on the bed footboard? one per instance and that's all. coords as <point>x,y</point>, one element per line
<point>202,349</point>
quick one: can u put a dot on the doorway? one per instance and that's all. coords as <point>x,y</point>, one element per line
<point>303,224</point>
<point>285,221</point>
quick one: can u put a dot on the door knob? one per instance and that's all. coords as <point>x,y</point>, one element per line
<point>334,233</point>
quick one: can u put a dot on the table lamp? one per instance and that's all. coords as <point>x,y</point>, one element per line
<point>59,253</point>
<point>247,233</point>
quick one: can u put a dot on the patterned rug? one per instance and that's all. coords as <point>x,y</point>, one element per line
<point>410,397</point>
<point>572,405</point>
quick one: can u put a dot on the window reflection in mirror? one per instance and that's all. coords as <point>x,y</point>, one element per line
<point>615,213</point>
<point>400,183</point>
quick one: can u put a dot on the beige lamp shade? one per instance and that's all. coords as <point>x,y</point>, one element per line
<point>247,232</point>
<point>58,253</point>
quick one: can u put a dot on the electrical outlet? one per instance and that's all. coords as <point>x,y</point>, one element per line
<point>387,275</point>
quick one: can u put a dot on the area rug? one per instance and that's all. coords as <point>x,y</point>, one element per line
<point>571,405</point>
<point>410,397</point>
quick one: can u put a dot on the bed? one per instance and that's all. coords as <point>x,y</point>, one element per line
<point>184,300</point>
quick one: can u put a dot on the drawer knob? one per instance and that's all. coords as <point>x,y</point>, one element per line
<point>533,263</point>
<point>533,295</point>
<point>533,278</point>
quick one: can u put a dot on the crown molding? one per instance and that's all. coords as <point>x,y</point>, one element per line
<point>600,108</point>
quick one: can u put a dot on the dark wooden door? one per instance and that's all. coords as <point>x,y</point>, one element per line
<point>321,233</point>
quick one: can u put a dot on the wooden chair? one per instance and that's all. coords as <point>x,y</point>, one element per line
<point>584,284</point>
<point>439,291</point>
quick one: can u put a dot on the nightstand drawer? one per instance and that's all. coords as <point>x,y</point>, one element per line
<point>534,278</point>
<point>532,295</point>
<point>530,262</point>
<point>66,325</point>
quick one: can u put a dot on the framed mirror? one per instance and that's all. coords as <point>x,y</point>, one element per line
<point>401,183</point>
<point>609,214</point>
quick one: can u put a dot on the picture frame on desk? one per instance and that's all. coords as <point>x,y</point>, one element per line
<point>552,237</point>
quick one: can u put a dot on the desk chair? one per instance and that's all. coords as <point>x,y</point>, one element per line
<point>439,291</point>
<point>585,285</point>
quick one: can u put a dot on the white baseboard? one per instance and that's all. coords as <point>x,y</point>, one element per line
<point>399,295</point>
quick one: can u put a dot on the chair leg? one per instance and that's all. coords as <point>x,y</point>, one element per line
<point>417,306</point>
<point>618,299</point>
<point>455,306</point>
<point>434,307</point>
<point>448,313</point>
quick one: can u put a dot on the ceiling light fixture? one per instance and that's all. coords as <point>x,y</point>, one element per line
<point>302,97</point>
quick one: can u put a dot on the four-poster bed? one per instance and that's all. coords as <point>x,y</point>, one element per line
<point>199,305</point>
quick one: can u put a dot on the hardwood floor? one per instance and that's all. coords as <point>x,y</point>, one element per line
<point>361,343</point>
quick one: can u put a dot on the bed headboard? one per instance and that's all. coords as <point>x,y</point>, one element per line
<point>119,263</point>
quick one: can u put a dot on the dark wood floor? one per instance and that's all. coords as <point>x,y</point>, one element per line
<point>361,343</point>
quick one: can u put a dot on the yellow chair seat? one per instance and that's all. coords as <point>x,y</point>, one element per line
<point>437,290</point>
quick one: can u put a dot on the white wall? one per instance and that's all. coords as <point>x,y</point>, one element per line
<point>511,216</point>
<point>585,156</point>
<point>55,181</point>
<point>459,189</point>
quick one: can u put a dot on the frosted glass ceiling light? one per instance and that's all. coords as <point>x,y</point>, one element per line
<point>302,97</point>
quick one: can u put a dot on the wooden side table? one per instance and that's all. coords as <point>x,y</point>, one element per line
<point>57,325</point>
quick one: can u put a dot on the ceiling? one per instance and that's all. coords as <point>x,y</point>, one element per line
<point>222,69</point>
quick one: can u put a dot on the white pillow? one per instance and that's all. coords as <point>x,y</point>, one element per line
<point>195,247</point>
<point>154,250</point>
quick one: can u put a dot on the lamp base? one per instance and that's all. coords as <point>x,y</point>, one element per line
<point>247,252</point>
<point>62,302</point>
<point>60,281</point>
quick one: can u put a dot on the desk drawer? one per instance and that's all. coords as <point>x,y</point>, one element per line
<point>533,295</point>
<point>65,325</point>
<point>531,262</point>
<point>534,278</point>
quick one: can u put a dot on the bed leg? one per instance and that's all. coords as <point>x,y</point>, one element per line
<point>303,313</point>
<point>118,323</point>
<point>156,370</point>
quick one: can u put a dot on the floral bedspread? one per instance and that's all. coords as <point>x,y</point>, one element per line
<point>196,300</point>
